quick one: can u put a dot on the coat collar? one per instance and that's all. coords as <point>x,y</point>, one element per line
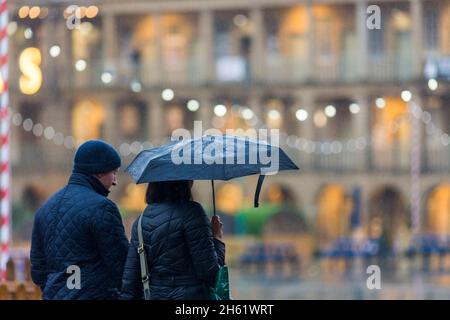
<point>88,181</point>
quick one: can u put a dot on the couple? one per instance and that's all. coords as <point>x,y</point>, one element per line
<point>79,249</point>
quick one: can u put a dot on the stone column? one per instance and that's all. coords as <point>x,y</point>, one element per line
<point>157,70</point>
<point>206,110</point>
<point>417,36</point>
<point>206,34</point>
<point>305,129</point>
<point>362,38</point>
<point>64,62</point>
<point>47,66</point>
<point>256,105</point>
<point>416,153</point>
<point>156,119</point>
<point>257,48</point>
<point>309,71</point>
<point>110,36</point>
<point>112,126</point>
<point>361,128</point>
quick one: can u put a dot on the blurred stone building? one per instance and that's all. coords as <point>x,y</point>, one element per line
<point>133,71</point>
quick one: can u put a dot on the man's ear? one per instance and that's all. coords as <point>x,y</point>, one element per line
<point>98,175</point>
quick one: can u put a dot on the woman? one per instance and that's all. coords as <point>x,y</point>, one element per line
<point>184,250</point>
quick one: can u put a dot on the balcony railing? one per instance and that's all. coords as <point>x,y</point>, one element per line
<point>192,72</point>
<point>150,74</point>
<point>41,156</point>
<point>391,159</point>
<point>388,68</point>
<point>279,69</point>
<point>438,159</point>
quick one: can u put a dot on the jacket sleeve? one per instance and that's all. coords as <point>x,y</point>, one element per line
<point>131,281</point>
<point>207,253</point>
<point>111,241</point>
<point>219,246</point>
<point>37,256</point>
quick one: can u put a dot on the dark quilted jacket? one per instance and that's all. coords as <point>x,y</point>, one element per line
<point>182,255</point>
<point>79,226</point>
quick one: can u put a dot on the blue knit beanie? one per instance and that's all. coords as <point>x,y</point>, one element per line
<point>96,156</point>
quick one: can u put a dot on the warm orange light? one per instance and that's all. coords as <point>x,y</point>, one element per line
<point>34,12</point>
<point>66,13</point>
<point>23,12</point>
<point>2,84</point>
<point>230,198</point>
<point>88,117</point>
<point>44,13</point>
<point>91,12</point>
<point>31,79</point>
<point>438,215</point>
<point>333,216</point>
<point>80,12</point>
<point>134,198</point>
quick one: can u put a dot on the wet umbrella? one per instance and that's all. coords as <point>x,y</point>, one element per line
<point>211,157</point>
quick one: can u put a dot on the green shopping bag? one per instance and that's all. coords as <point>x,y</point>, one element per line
<point>221,288</point>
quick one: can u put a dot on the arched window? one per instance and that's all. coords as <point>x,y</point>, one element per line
<point>438,210</point>
<point>88,117</point>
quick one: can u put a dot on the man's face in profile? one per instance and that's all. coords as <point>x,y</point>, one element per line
<point>108,179</point>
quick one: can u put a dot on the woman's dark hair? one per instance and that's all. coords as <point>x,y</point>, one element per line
<point>169,191</point>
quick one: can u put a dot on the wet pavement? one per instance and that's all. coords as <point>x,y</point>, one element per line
<point>394,285</point>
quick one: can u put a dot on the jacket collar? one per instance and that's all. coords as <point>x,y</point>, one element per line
<point>88,181</point>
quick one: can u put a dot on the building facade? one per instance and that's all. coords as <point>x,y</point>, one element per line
<point>358,104</point>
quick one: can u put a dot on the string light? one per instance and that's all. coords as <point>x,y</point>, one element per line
<point>167,94</point>
<point>302,144</point>
<point>301,114</point>
<point>220,110</point>
<point>80,65</point>
<point>193,105</point>
<point>55,51</point>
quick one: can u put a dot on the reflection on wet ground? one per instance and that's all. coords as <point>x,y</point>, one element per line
<point>401,284</point>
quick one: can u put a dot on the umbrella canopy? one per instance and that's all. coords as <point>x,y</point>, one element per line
<point>211,157</point>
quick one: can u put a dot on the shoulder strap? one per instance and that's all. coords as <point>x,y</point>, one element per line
<point>143,259</point>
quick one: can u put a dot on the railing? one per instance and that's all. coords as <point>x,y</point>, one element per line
<point>438,159</point>
<point>386,68</point>
<point>150,74</point>
<point>334,69</point>
<point>342,161</point>
<point>37,155</point>
<point>392,159</point>
<point>285,69</point>
<point>277,69</point>
<point>328,156</point>
<point>123,73</point>
<point>280,69</point>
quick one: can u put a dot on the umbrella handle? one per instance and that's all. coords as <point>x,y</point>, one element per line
<point>214,198</point>
<point>258,190</point>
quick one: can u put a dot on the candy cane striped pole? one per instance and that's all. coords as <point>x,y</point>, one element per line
<point>4,144</point>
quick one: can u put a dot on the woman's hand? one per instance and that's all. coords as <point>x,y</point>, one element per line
<point>216,226</point>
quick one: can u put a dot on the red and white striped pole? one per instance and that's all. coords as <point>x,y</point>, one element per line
<point>4,143</point>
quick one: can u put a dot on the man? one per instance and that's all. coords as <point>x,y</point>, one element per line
<point>79,247</point>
